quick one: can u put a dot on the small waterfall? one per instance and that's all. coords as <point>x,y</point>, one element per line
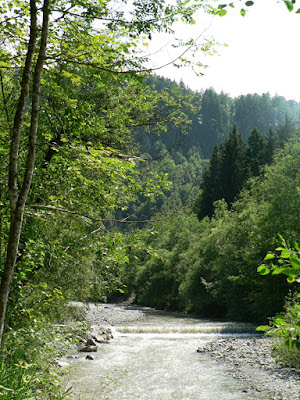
<point>229,328</point>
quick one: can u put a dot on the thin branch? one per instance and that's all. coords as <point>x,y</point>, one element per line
<point>111,220</point>
<point>102,227</point>
<point>130,71</point>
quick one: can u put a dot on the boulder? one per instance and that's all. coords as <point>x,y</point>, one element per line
<point>90,357</point>
<point>101,334</point>
<point>88,348</point>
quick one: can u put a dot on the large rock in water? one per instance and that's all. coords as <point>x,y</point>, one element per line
<point>98,334</point>
<point>101,334</point>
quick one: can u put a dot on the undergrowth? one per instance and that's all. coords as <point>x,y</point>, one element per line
<point>28,367</point>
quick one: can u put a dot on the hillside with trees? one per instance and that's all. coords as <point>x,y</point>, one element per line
<point>116,182</point>
<point>214,115</point>
<point>210,266</point>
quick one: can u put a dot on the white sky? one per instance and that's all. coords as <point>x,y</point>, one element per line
<point>263,53</point>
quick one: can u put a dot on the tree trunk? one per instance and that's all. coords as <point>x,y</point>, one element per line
<point>18,197</point>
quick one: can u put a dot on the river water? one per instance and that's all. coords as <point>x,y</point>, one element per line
<point>156,358</point>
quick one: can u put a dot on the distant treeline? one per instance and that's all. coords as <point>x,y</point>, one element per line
<point>216,114</point>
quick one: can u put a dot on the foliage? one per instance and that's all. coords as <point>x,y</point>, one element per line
<point>246,4</point>
<point>210,266</point>
<point>287,262</point>
<point>73,96</point>
<point>28,369</point>
<point>286,328</point>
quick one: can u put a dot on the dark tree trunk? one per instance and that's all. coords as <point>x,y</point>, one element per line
<point>18,197</point>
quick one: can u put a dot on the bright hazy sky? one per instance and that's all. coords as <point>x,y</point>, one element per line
<point>263,53</point>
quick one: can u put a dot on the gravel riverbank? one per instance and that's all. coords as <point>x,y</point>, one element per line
<point>248,359</point>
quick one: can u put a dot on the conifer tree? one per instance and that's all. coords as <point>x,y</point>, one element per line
<point>234,167</point>
<point>225,175</point>
<point>256,152</point>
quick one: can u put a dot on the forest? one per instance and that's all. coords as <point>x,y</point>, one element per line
<point>229,211</point>
<point>117,183</point>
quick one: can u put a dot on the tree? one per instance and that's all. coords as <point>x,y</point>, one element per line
<point>234,168</point>
<point>211,186</point>
<point>256,152</point>
<point>225,175</point>
<point>45,45</point>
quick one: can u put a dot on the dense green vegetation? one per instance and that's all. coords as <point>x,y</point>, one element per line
<point>210,266</point>
<point>92,147</point>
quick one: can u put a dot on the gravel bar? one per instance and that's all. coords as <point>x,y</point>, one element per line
<point>250,360</point>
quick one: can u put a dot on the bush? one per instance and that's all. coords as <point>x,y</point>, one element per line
<point>28,369</point>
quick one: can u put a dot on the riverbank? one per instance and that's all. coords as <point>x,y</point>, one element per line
<point>250,360</point>
<point>247,359</point>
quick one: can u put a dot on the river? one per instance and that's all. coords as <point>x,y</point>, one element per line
<point>155,357</point>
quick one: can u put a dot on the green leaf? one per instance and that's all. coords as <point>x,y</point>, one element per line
<point>291,272</point>
<point>262,328</point>
<point>263,270</point>
<point>243,12</point>
<point>249,3</point>
<point>221,13</point>
<point>279,321</point>
<point>269,256</point>
<point>290,5</point>
<point>291,279</point>
<point>285,253</point>
<point>280,270</point>
<point>295,262</point>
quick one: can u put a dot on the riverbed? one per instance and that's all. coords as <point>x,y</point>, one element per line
<point>153,355</point>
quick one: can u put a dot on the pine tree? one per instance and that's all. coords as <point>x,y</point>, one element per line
<point>225,175</point>
<point>211,188</point>
<point>234,166</point>
<point>256,152</point>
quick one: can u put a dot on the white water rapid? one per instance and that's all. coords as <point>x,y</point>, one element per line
<point>155,358</point>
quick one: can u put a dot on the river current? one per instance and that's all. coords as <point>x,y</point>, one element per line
<point>156,358</point>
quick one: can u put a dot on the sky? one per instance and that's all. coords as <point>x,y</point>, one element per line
<point>262,56</point>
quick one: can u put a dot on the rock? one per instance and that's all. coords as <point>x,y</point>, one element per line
<point>90,342</point>
<point>90,357</point>
<point>73,356</point>
<point>201,350</point>
<point>89,346</point>
<point>101,334</point>
<point>62,364</point>
<point>88,349</point>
